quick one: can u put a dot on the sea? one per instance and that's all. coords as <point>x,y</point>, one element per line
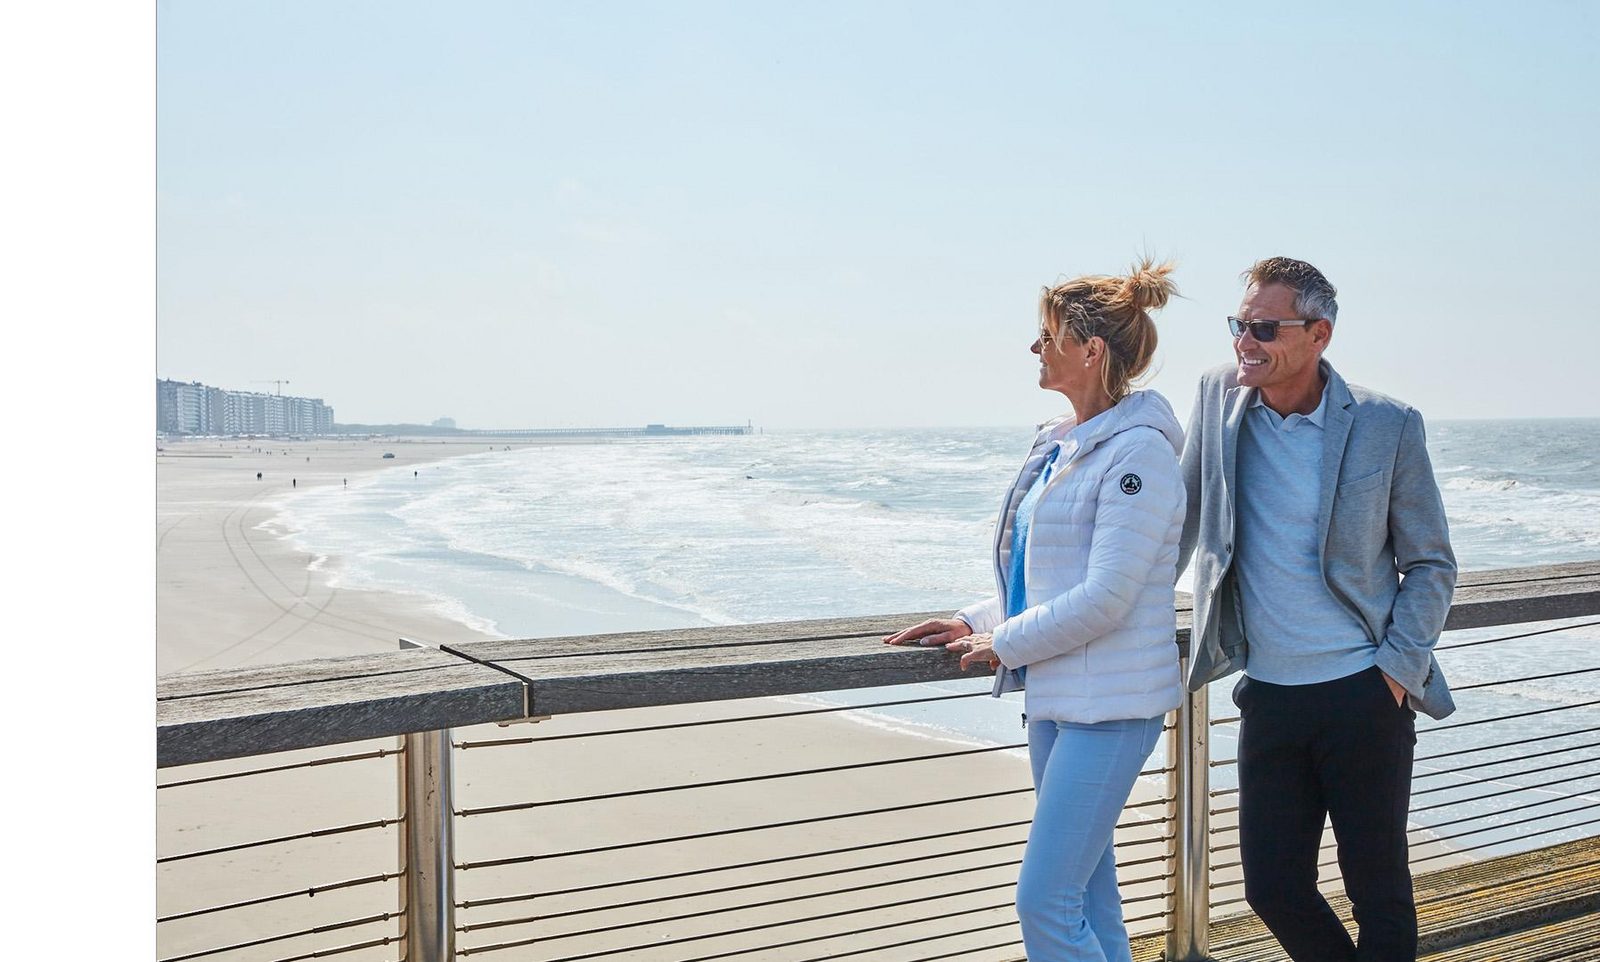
<point>674,532</point>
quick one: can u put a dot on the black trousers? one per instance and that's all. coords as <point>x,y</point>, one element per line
<point>1339,750</point>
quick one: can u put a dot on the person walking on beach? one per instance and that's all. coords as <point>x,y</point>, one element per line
<point>1085,557</point>
<point>1323,569</point>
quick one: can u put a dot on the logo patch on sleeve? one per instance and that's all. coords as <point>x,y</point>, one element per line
<point>1131,484</point>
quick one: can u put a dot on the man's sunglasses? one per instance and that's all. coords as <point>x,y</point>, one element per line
<point>1263,331</point>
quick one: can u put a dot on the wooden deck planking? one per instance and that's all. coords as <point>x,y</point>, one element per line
<point>1555,888</point>
<point>1568,940</point>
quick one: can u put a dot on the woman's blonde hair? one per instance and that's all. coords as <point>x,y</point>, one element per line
<point>1115,309</point>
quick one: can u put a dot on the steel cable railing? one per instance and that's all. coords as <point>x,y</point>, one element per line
<point>1452,726</point>
<point>1424,830</point>
<point>1329,847</point>
<point>313,763</point>
<point>725,782</point>
<point>1504,792</point>
<point>1499,761</point>
<point>784,900</point>
<point>1470,769</point>
<point>791,898</point>
<point>1527,678</point>
<point>704,722</point>
<point>1501,778</point>
<point>1501,810</point>
<point>1452,836</point>
<point>238,924</point>
<point>341,950</point>
<point>925,939</point>
<point>790,823</point>
<point>282,839</point>
<point>720,833</point>
<point>917,941</point>
<point>767,947</point>
<point>748,906</point>
<point>1457,646</point>
<point>745,886</point>
<point>1506,841</point>
<point>674,920</point>
<point>754,863</point>
<point>283,937</point>
<point>931,958</point>
<point>310,891</point>
<point>1514,743</point>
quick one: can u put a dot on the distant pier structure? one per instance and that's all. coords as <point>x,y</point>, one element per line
<point>648,431</point>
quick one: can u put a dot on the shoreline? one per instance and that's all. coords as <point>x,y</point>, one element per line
<point>233,586</point>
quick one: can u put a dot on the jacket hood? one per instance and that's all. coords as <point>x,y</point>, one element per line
<point>1147,409</point>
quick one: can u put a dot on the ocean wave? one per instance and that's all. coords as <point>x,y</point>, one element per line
<point>306,521</point>
<point>1481,484</point>
<point>1505,517</point>
<point>617,579</point>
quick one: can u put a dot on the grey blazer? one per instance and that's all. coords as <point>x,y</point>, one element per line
<point>1385,546</point>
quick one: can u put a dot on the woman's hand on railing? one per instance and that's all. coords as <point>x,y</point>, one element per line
<point>975,650</point>
<point>934,631</point>
<point>955,635</point>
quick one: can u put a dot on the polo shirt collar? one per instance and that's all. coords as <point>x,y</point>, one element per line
<point>1316,417</point>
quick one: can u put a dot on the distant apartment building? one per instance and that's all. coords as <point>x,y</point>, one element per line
<point>195,408</point>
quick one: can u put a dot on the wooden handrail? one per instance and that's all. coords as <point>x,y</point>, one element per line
<point>213,715</point>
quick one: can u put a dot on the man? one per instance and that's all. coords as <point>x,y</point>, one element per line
<point>1323,569</point>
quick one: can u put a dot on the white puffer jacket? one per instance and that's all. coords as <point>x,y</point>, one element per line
<point>1102,555</point>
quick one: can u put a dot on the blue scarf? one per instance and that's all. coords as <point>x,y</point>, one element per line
<point>1016,585</point>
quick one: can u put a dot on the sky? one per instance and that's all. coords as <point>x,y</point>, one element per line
<point>840,215</point>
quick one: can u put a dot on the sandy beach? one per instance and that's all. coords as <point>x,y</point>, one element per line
<point>230,594</point>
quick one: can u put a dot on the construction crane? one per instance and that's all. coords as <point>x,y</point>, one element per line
<point>280,382</point>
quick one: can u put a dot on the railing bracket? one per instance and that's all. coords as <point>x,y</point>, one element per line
<point>530,720</point>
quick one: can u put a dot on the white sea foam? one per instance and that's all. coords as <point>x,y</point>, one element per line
<point>778,526</point>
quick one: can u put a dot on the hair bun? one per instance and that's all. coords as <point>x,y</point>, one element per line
<point>1148,286</point>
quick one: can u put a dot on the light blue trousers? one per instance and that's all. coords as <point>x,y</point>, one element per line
<point>1067,899</point>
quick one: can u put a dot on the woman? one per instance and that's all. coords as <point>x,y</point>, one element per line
<point>1085,557</point>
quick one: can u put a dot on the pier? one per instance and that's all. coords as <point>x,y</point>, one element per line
<point>534,434</point>
<point>648,431</point>
<point>562,864</point>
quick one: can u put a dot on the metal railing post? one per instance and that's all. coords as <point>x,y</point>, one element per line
<point>1189,938</point>
<point>427,843</point>
<point>427,848</point>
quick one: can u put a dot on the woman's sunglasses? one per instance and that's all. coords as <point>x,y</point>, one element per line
<point>1263,331</point>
